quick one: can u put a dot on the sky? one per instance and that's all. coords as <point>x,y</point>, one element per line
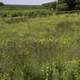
<point>26,2</point>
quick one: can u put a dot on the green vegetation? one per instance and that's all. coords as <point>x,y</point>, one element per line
<point>41,48</point>
<point>26,13</point>
<point>51,5</point>
<point>63,5</point>
<point>1,4</point>
<point>37,44</point>
<point>68,5</point>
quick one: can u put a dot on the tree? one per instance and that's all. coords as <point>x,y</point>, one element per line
<point>1,4</point>
<point>67,4</point>
<point>71,4</point>
<point>50,5</point>
<point>62,5</point>
<point>78,4</point>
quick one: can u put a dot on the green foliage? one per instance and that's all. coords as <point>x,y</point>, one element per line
<point>1,4</point>
<point>26,13</point>
<point>51,5</point>
<point>68,5</point>
<point>40,48</point>
<point>71,4</point>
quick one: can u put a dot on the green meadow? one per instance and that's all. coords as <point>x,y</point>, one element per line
<point>46,47</point>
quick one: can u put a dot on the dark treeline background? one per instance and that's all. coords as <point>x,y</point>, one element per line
<point>60,5</point>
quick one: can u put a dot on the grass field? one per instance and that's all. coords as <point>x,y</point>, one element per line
<point>41,48</point>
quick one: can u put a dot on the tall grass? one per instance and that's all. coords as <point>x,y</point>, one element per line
<point>41,48</point>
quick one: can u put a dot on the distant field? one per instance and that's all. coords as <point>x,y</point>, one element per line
<point>40,48</point>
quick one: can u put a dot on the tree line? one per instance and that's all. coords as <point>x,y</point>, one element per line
<point>63,5</point>
<point>60,5</point>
